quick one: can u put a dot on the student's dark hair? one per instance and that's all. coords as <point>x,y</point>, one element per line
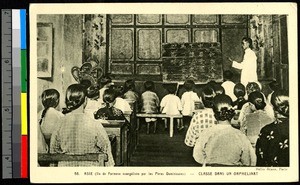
<point>274,85</point>
<point>129,85</point>
<point>86,83</point>
<point>104,80</point>
<point>92,92</point>
<point>207,96</point>
<point>257,99</point>
<point>219,89</point>
<point>211,84</point>
<point>222,107</point>
<point>171,89</point>
<point>239,90</point>
<point>75,97</point>
<point>119,90</point>
<point>189,85</point>
<point>228,75</point>
<point>149,85</point>
<point>251,87</point>
<point>109,96</point>
<point>249,40</point>
<point>280,102</point>
<point>50,98</point>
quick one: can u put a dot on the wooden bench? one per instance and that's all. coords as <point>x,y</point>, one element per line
<point>54,158</point>
<point>145,115</point>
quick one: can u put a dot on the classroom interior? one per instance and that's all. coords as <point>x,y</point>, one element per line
<point>137,46</point>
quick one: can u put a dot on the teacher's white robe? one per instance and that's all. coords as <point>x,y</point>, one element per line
<point>248,67</point>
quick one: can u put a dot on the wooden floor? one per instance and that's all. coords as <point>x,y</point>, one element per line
<point>160,149</point>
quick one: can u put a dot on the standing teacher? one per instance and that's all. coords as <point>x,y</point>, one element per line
<point>249,63</point>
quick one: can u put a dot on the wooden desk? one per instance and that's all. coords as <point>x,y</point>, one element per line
<point>120,130</point>
<point>144,115</point>
<point>133,133</point>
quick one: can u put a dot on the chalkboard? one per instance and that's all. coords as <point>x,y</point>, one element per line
<point>201,62</point>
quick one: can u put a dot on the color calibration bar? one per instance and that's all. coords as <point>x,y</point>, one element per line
<point>24,137</point>
<point>14,40</point>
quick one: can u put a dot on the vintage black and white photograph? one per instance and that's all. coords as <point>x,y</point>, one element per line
<point>186,95</point>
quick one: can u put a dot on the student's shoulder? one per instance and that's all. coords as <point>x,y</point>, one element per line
<point>52,110</point>
<point>185,94</point>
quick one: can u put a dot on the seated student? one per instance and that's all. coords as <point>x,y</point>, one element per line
<point>218,89</point>
<point>105,82</point>
<point>109,112</point>
<point>274,86</point>
<point>272,146</point>
<point>202,119</point>
<point>188,100</point>
<point>253,86</point>
<point>239,92</point>
<point>92,95</point>
<point>228,85</point>
<point>150,103</point>
<point>223,145</point>
<point>49,117</point>
<point>171,105</point>
<point>249,107</point>
<point>254,121</point>
<point>121,103</point>
<point>79,133</point>
<point>129,91</point>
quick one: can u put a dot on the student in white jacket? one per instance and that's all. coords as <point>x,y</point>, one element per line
<point>188,100</point>
<point>249,63</point>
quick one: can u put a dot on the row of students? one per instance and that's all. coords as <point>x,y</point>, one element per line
<point>203,118</point>
<point>223,145</point>
<point>170,104</point>
<point>74,131</point>
<point>255,104</point>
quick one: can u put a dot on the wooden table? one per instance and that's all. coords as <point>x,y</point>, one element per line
<point>144,115</point>
<point>120,130</point>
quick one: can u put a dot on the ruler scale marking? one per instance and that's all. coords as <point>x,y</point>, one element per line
<point>6,68</point>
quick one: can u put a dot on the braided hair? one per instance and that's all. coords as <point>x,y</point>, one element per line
<point>75,97</point>
<point>222,108</point>
<point>207,96</point>
<point>50,98</point>
<point>257,99</point>
<point>109,96</point>
<point>251,87</point>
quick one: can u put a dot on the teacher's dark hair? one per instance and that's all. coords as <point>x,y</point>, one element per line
<point>249,40</point>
